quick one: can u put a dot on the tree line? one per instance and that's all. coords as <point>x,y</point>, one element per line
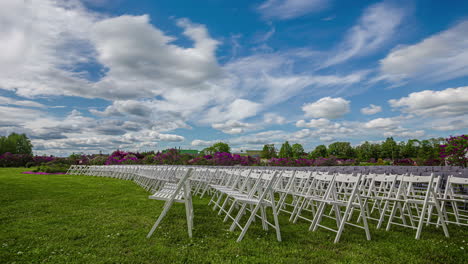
<point>389,149</point>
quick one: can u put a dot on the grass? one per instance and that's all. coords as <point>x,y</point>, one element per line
<point>82,219</point>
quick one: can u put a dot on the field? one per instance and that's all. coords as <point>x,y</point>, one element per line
<point>82,219</point>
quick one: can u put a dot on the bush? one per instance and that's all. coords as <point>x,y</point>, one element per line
<point>149,159</point>
<point>404,162</point>
<point>52,168</point>
<point>98,160</point>
<point>455,151</point>
<point>8,159</point>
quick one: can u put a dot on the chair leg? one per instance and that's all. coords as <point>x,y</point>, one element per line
<point>167,206</point>
<point>246,227</point>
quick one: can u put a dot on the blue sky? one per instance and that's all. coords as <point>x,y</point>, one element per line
<point>97,75</point>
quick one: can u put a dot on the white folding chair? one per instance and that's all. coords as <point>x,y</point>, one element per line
<point>180,193</point>
<point>415,198</point>
<point>342,192</point>
<point>454,201</point>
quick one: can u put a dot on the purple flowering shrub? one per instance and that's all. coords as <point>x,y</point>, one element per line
<point>8,159</point>
<point>455,151</point>
<point>404,162</point>
<point>171,157</point>
<point>122,157</point>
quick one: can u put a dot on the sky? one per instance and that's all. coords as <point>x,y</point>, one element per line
<point>99,75</point>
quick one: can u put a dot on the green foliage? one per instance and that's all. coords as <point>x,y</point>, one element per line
<point>367,151</point>
<point>319,152</point>
<point>390,149</point>
<point>286,151</point>
<point>98,160</point>
<point>16,144</point>
<point>52,168</point>
<point>217,147</point>
<point>268,151</point>
<point>149,159</point>
<point>297,150</point>
<point>341,150</point>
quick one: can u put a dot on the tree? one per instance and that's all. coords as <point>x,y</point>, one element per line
<point>410,149</point>
<point>217,147</point>
<point>366,151</point>
<point>389,149</point>
<point>319,152</point>
<point>342,150</point>
<point>285,151</point>
<point>268,151</point>
<point>297,150</point>
<point>16,144</point>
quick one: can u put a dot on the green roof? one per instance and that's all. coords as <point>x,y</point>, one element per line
<point>185,151</point>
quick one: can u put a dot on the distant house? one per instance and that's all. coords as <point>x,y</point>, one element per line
<point>254,153</point>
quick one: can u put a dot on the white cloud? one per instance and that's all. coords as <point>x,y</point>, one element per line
<point>393,127</point>
<point>376,26</point>
<point>405,134</point>
<point>451,124</point>
<point>383,123</point>
<point>233,127</point>
<point>237,110</point>
<point>27,103</point>
<point>327,138</point>
<point>314,123</point>
<point>327,107</point>
<point>448,102</point>
<point>203,143</point>
<point>288,9</point>
<point>273,119</point>
<point>17,117</point>
<point>132,49</point>
<point>42,42</point>
<point>273,77</point>
<point>442,56</point>
<point>371,110</point>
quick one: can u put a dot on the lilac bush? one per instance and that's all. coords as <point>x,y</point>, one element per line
<point>8,159</point>
<point>122,157</point>
<point>455,151</point>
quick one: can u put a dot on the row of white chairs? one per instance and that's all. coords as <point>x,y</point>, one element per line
<point>243,194</point>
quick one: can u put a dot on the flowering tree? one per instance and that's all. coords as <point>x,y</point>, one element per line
<point>455,151</point>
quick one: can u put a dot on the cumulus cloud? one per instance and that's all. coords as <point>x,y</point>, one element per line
<point>314,123</point>
<point>237,110</point>
<point>42,43</point>
<point>448,102</point>
<point>393,127</point>
<point>327,107</point>
<point>233,127</point>
<point>203,143</point>
<point>273,119</point>
<point>442,56</point>
<point>288,9</point>
<point>383,123</point>
<point>131,48</point>
<point>371,109</point>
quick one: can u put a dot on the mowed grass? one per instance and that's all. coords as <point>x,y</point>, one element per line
<point>82,219</point>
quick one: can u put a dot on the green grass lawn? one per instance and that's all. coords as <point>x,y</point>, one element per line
<point>82,219</point>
